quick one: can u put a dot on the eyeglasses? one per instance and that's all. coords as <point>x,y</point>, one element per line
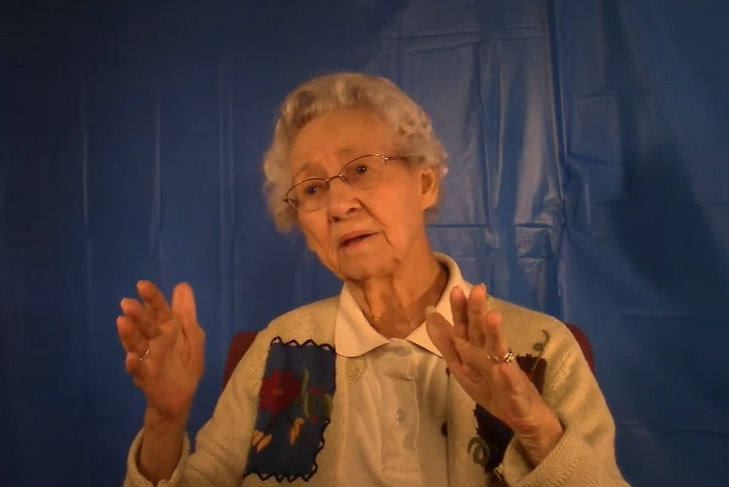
<point>363,172</point>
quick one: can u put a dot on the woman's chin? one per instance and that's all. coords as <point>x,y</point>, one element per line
<point>365,266</point>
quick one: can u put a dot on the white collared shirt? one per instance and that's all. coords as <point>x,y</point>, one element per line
<point>398,409</point>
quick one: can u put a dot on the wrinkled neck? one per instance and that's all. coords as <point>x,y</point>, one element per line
<point>395,305</point>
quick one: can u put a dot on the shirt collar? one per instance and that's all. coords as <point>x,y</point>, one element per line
<point>354,336</point>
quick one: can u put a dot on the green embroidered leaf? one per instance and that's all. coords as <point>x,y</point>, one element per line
<point>305,404</point>
<point>328,406</point>
<point>479,450</point>
<point>541,346</point>
<point>305,381</point>
<point>295,430</point>
<point>264,442</point>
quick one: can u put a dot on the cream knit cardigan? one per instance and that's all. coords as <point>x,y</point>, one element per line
<point>584,457</point>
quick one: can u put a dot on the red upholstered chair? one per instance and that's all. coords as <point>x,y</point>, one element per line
<point>243,340</point>
<point>584,344</point>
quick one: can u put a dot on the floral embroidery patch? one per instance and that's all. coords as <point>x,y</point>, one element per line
<point>488,447</point>
<point>294,409</point>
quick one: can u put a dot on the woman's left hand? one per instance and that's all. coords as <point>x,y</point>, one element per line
<point>474,348</point>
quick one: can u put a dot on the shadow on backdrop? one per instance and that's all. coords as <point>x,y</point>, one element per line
<point>665,236</point>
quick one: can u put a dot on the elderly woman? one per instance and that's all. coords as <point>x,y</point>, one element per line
<point>410,377</point>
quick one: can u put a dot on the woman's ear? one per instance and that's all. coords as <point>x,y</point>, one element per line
<point>429,186</point>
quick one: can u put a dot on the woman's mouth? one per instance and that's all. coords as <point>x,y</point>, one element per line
<point>348,242</point>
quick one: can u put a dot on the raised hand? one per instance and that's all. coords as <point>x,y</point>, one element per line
<point>165,349</point>
<point>479,358</point>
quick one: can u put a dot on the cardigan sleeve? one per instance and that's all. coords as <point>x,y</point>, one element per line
<point>222,445</point>
<point>585,455</point>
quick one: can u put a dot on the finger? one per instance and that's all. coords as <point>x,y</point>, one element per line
<point>442,334</point>
<point>492,330</point>
<point>467,370</point>
<point>183,305</point>
<point>130,336</point>
<point>467,378</point>
<point>141,317</point>
<point>459,309</point>
<point>476,310</point>
<point>152,296</point>
<point>475,358</point>
<point>136,368</point>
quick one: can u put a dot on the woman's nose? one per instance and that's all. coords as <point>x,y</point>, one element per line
<point>342,199</point>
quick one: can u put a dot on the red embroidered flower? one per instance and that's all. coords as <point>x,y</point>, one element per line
<point>279,391</point>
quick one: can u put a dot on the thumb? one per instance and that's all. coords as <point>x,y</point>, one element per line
<point>183,304</point>
<point>442,333</point>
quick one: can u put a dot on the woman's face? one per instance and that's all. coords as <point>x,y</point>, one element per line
<point>389,216</point>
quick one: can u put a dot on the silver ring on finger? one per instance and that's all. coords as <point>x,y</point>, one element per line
<point>506,359</point>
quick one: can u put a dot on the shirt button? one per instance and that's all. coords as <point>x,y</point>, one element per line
<point>400,415</point>
<point>402,351</point>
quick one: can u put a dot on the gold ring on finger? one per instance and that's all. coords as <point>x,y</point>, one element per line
<point>145,354</point>
<point>506,359</point>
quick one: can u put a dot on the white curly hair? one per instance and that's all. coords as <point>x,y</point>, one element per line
<point>329,93</point>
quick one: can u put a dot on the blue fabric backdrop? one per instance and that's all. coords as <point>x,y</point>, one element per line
<point>588,143</point>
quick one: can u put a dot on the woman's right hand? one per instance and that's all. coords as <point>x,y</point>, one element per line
<point>166,350</point>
